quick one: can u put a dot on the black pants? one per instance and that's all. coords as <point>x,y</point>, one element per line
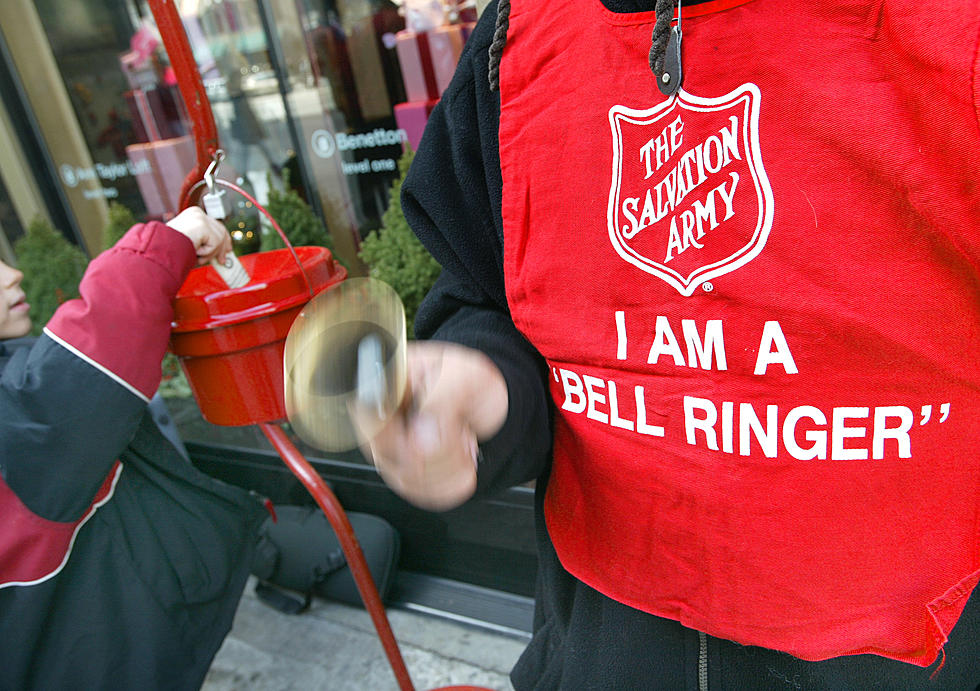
<point>585,641</point>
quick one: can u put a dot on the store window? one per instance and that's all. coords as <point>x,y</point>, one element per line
<point>348,83</point>
<point>318,97</point>
<point>87,40</point>
<point>323,93</point>
<point>359,78</point>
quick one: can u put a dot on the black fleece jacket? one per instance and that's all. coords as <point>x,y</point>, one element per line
<point>582,639</point>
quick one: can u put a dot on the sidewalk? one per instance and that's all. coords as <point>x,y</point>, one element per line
<point>334,647</point>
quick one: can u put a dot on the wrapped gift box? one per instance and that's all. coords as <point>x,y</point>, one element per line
<point>416,63</point>
<point>412,117</point>
<point>141,72</point>
<point>167,109</point>
<point>144,124</point>
<point>445,46</point>
<point>145,175</point>
<point>174,159</point>
<point>161,167</point>
<point>156,113</point>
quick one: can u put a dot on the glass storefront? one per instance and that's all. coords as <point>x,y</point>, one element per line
<point>322,96</point>
<point>318,98</point>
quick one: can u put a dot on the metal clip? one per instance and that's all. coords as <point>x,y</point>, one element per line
<point>212,170</point>
<point>216,202</point>
<point>670,81</point>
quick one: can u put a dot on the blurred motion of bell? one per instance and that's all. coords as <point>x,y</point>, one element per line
<point>243,221</point>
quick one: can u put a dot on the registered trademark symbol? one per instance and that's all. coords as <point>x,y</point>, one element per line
<point>708,286</point>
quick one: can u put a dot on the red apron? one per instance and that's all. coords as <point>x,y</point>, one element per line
<point>760,305</point>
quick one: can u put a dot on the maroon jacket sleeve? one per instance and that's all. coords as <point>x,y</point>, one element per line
<point>71,403</point>
<point>121,322</point>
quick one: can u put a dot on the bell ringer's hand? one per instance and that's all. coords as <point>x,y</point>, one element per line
<point>426,452</point>
<point>210,237</point>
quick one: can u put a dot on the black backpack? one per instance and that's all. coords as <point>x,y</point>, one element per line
<point>299,556</point>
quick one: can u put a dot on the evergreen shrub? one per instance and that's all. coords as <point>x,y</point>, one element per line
<point>52,267</point>
<point>121,219</point>
<point>297,220</point>
<point>394,255</point>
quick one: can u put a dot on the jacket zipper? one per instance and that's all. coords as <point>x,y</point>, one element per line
<point>702,661</point>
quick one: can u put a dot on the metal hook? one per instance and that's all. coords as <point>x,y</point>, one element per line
<point>212,170</point>
<point>670,81</point>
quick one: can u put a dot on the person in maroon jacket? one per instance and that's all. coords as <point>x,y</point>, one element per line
<point>121,565</point>
<point>730,329</point>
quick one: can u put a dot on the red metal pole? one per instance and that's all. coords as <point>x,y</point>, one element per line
<point>302,469</point>
<point>205,133</point>
<point>191,88</point>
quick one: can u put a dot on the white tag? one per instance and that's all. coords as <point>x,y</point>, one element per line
<point>216,204</point>
<point>231,271</point>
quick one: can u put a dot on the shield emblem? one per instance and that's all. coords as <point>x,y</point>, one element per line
<point>689,199</point>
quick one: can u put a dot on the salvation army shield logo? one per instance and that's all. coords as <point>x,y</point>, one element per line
<point>689,199</point>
